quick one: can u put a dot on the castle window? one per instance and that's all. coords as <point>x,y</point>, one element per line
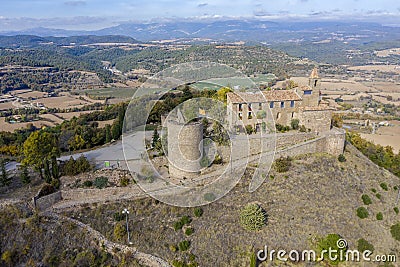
<point>249,106</point>
<point>278,116</point>
<point>282,104</point>
<point>240,107</point>
<point>271,104</point>
<point>308,92</point>
<point>292,115</point>
<point>240,116</point>
<point>249,115</point>
<point>259,105</point>
<point>315,83</point>
<point>292,104</point>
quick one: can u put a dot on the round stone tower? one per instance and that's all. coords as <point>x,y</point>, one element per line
<point>185,148</point>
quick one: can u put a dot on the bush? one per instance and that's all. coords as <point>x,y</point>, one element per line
<point>363,245</point>
<point>378,196</point>
<point>294,124</point>
<point>384,186</point>
<point>373,190</point>
<point>87,183</point>
<point>395,231</point>
<point>252,217</point>
<point>396,209</point>
<point>184,220</point>
<point>119,231</point>
<point>124,181</point>
<point>217,159</point>
<point>189,231</point>
<point>184,245</point>
<point>366,199</point>
<point>173,248</point>
<point>330,242</point>
<point>281,128</point>
<point>198,212</point>
<point>379,216</point>
<point>283,164</point>
<point>341,158</point>
<point>118,216</point>
<point>302,129</point>
<point>362,212</point>
<point>101,182</point>
<point>249,129</point>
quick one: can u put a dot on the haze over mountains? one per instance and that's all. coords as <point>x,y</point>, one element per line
<point>237,30</point>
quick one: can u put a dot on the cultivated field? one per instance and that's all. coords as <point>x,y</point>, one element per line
<point>379,68</point>
<point>388,52</point>
<point>11,127</point>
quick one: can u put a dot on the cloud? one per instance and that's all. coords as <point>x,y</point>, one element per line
<point>202,5</point>
<point>304,1</point>
<point>75,3</point>
<point>261,13</point>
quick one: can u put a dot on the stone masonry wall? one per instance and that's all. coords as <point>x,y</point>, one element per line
<point>46,202</point>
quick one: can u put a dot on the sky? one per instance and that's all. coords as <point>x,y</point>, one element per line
<point>96,14</point>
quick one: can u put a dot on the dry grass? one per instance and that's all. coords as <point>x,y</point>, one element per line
<point>380,68</point>
<point>317,196</point>
<point>8,127</point>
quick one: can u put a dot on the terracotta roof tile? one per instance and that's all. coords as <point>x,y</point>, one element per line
<point>265,96</point>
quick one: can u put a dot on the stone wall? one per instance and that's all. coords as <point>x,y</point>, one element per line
<point>46,202</point>
<point>316,120</point>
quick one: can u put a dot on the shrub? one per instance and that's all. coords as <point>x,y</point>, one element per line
<point>198,212</point>
<point>302,129</point>
<point>378,196</point>
<point>384,186</point>
<point>178,225</point>
<point>124,181</point>
<point>101,182</point>
<point>173,248</point>
<point>189,231</point>
<point>281,128</point>
<point>283,164</point>
<point>217,159</point>
<point>186,219</point>
<point>363,245</point>
<point>249,129</point>
<point>362,212</point>
<point>205,162</point>
<point>395,188</point>
<point>294,124</point>
<point>118,216</point>
<point>25,178</point>
<point>396,209</point>
<point>119,231</point>
<point>330,242</point>
<point>395,231</point>
<point>366,199</point>
<point>379,216</point>
<point>373,190</point>
<point>341,158</point>
<point>87,183</point>
<point>184,245</point>
<point>252,217</point>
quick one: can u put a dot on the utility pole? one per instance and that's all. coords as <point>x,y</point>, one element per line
<point>126,212</point>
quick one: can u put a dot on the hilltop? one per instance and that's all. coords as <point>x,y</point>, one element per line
<point>317,196</point>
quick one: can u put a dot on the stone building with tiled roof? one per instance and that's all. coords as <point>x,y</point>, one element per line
<point>281,107</point>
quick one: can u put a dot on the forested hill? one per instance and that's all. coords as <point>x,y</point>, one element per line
<point>29,41</point>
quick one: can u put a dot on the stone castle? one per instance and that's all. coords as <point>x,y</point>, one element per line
<point>185,147</point>
<point>303,103</point>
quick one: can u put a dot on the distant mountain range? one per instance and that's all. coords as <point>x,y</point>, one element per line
<point>235,30</point>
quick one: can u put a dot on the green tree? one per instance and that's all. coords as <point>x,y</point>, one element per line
<point>25,178</point>
<point>5,180</point>
<point>222,92</point>
<point>41,151</point>
<point>156,138</point>
<point>108,133</point>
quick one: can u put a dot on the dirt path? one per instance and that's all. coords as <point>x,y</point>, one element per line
<point>111,247</point>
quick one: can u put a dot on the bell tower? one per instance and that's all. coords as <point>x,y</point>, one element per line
<point>313,94</point>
